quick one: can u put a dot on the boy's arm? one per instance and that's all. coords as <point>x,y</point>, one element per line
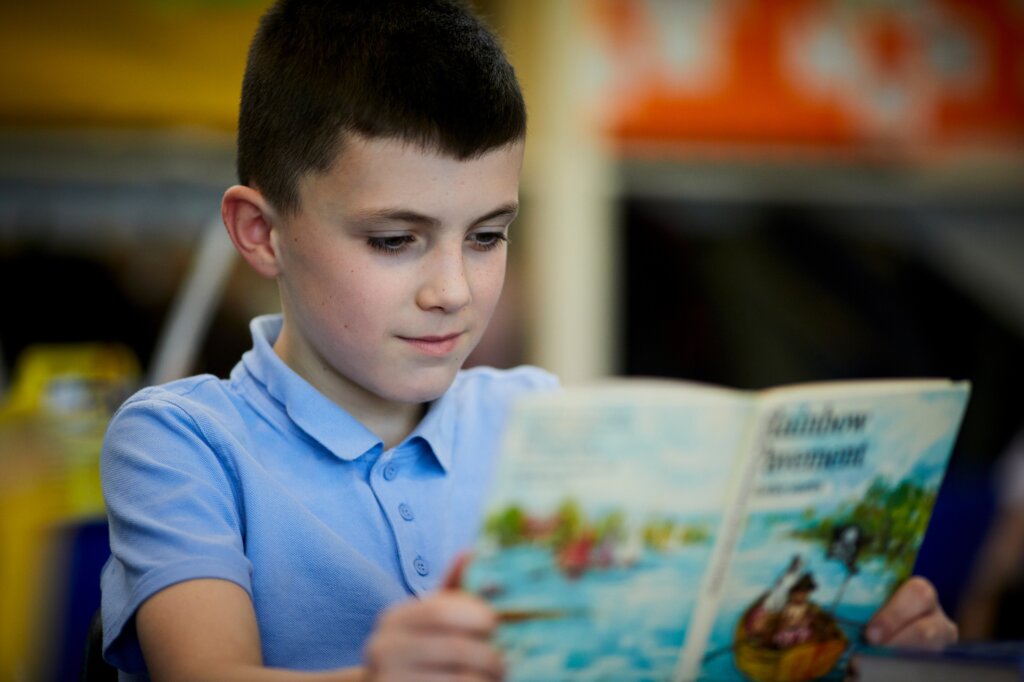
<point>202,630</point>
<point>206,630</point>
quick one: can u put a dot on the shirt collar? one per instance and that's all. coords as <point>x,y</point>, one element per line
<point>325,421</point>
<point>437,428</point>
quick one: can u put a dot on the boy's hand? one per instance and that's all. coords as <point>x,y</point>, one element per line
<point>912,618</point>
<point>445,636</point>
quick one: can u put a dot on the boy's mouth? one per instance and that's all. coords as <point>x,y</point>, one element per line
<point>434,345</point>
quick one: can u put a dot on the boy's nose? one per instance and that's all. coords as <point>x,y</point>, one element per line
<point>446,286</point>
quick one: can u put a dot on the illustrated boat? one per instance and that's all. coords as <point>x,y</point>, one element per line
<point>762,662</point>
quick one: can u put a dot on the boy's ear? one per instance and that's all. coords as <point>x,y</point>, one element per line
<point>249,220</point>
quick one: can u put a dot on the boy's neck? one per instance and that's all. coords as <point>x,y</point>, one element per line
<point>391,428</point>
<point>391,421</point>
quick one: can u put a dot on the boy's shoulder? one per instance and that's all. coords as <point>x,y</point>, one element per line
<point>178,421</point>
<point>226,411</point>
<point>202,397</point>
<point>212,396</point>
<point>200,388</point>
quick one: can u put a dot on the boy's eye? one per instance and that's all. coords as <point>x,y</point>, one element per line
<point>485,241</point>
<point>389,244</point>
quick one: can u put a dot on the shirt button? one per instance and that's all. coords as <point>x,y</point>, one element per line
<point>406,511</point>
<point>421,566</point>
<point>390,471</point>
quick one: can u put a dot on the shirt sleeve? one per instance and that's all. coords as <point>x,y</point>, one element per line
<point>174,511</point>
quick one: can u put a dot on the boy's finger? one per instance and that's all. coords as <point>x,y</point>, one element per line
<point>428,653</point>
<point>448,610</point>
<point>931,632</point>
<point>453,580</point>
<point>432,676</point>
<point>914,600</point>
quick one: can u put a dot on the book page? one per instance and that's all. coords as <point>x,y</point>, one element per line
<point>601,523</point>
<point>842,491</point>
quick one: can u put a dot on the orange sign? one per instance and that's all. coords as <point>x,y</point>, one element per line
<point>813,72</point>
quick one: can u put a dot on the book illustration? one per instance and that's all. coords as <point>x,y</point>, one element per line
<point>800,629</point>
<point>648,532</point>
<point>583,570</point>
<point>579,545</point>
<point>784,635</point>
<point>848,485</point>
<point>589,593</point>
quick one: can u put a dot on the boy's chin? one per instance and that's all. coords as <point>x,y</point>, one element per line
<point>424,389</point>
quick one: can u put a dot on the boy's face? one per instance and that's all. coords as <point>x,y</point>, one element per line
<point>391,269</point>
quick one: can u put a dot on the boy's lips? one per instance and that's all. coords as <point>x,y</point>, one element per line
<point>434,345</point>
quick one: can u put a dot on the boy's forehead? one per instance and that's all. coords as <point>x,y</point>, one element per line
<point>372,173</point>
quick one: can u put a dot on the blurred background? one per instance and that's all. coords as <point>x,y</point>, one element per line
<point>746,192</point>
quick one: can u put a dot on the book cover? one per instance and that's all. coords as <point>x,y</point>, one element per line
<point>659,530</point>
<point>839,491</point>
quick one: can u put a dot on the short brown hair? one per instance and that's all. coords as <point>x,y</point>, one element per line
<point>425,71</point>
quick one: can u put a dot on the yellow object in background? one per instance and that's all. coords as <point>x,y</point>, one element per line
<point>124,63</point>
<point>51,431</point>
<point>64,380</point>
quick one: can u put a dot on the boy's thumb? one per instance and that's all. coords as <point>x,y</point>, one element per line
<point>453,580</point>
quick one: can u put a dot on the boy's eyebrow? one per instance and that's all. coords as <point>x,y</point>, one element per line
<point>509,210</point>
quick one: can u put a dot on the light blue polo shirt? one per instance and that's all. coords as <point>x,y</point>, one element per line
<point>261,480</point>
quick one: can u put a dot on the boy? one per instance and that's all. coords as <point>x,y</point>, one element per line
<point>279,521</point>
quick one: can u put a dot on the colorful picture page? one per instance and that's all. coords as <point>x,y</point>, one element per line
<point>839,503</point>
<point>601,526</point>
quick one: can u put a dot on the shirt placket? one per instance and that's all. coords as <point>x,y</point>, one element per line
<point>391,481</point>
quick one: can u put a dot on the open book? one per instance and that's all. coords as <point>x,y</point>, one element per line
<point>660,530</point>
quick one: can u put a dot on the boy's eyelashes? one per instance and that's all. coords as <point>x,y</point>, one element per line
<point>485,241</point>
<point>389,244</point>
<point>393,244</point>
